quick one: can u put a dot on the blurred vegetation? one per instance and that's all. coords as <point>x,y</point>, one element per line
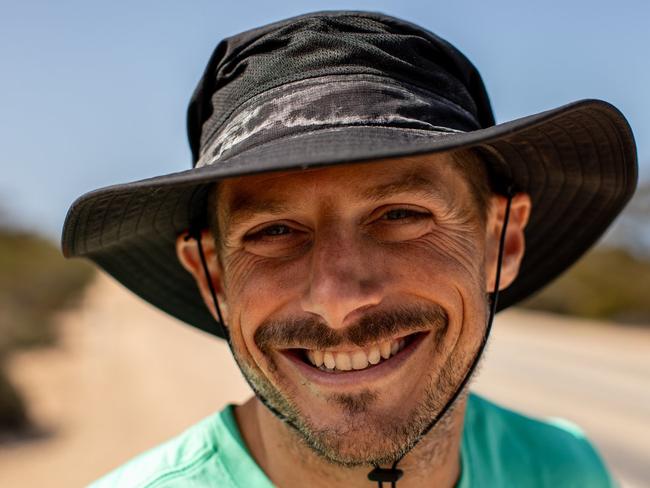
<point>606,283</point>
<point>612,281</point>
<point>35,283</point>
<point>631,230</point>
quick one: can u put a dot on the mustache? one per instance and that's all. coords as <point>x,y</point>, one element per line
<point>314,333</point>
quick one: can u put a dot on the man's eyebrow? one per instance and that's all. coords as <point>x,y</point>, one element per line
<point>244,208</point>
<point>410,183</point>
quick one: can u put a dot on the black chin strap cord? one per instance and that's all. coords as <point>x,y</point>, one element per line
<point>222,330</point>
<point>392,474</point>
<point>386,475</point>
<point>221,326</point>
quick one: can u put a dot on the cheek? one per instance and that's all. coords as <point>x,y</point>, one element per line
<point>462,250</point>
<point>256,288</point>
<point>446,268</point>
<point>251,279</point>
<point>442,257</point>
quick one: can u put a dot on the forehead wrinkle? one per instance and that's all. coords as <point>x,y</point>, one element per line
<point>408,182</point>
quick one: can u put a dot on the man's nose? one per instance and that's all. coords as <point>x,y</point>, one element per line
<point>342,281</point>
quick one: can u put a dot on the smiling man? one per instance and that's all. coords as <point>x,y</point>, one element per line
<point>355,299</point>
<point>352,223</point>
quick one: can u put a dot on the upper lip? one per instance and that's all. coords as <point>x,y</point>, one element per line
<point>351,347</point>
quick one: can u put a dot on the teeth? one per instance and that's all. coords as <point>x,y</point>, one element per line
<point>318,358</point>
<point>373,356</point>
<point>343,361</point>
<point>384,348</point>
<point>328,360</point>
<point>359,359</point>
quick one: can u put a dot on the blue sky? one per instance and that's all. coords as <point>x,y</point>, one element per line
<point>95,93</point>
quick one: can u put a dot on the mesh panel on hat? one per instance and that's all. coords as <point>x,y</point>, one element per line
<point>324,44</point>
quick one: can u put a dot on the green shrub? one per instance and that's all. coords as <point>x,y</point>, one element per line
<point>35,283</point>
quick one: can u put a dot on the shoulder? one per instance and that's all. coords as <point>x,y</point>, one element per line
<point>188,459</point>
<point>515,447</point>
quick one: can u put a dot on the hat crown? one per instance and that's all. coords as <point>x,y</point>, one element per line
<point>330,43</point>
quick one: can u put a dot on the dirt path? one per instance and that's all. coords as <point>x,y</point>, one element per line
<point>127,377</point>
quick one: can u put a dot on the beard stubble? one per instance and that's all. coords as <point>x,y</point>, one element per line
<point>363,437</point>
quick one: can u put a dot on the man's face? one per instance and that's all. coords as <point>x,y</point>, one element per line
<point>355,297</point>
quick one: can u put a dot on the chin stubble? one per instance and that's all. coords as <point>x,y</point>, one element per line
<point>364,439</point>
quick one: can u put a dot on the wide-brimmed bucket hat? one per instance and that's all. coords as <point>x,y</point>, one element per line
<point>332,88</point>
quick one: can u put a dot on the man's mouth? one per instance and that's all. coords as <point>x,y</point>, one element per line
<point>338,361</point>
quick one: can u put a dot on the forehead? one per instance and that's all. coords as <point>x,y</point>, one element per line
<point>436,174</point>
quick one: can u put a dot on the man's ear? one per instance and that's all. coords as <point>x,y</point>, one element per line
<point>187,250</point>
<point>514,245</point>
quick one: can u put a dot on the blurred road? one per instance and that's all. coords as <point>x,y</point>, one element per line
<point>126,377</point>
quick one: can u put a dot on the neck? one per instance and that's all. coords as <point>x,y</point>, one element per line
<point>287,461</point>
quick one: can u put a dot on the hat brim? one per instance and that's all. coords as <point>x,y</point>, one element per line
<point>577,163</point>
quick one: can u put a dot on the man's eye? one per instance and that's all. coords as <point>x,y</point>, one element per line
<point>402,213</point>
<point>276,240</point>
<point>273,231</point>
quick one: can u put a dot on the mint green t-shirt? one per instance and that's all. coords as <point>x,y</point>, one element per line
<point>499,448</point>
